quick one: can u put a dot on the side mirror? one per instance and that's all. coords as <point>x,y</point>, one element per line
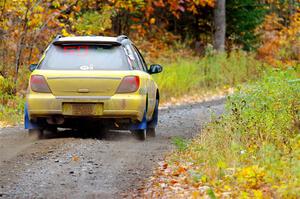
<point>32,67</point>
<point>155,68</point>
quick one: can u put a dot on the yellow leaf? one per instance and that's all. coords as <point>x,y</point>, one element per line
<point>258,194</point>
<point>65,33</point>
<point>196,194</point>
<point>152,21</point>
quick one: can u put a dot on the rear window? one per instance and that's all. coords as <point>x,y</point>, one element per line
<point>84,57</point>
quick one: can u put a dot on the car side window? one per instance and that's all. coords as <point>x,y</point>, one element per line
<point>131,57</point>
<point>141,58</point>
<point>138,59</point>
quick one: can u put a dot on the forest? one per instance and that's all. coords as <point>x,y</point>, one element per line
<point>267,27</point>
<point>207,47</point>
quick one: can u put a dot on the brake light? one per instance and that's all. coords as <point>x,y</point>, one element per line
<point>129,84</point>
<point>38,84</point>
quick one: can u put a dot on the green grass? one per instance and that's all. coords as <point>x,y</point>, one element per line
<point>199,75</point>
<point>254,149</point>
<point>11,109</point>
<point>180,143</point>
<point>11,106</point>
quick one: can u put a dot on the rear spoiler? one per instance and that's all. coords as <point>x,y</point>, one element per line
<point>88,43</point>
<point>85,41</point>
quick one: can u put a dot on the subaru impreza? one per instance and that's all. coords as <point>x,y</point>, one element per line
<point>92,79</point>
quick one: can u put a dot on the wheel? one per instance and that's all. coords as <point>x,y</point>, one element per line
<point>38,133</point>
<point>151,132</point>
<point>140,134</point>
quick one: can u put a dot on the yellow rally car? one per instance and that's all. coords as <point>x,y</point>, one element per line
<point>92,79</point>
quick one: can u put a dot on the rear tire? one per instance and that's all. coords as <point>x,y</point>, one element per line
<point>37,133</point>
<point>151,132</point>
<point>140,134</point>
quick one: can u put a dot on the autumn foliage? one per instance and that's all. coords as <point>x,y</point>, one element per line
<point>280,44</point>
<point>27,26</point>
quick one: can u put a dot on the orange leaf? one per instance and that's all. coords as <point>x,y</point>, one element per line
<point>181,170</point>
<point>173,181</point>
<point>75,158</point>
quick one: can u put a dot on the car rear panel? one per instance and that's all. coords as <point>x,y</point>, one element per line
<point>87,93</point>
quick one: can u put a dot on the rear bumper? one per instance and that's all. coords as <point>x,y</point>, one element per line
<point>130,106</point>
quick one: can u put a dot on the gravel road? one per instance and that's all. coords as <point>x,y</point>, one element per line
<point>70,165</point>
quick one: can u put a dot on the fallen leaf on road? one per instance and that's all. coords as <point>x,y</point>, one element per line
<point>75,158</point>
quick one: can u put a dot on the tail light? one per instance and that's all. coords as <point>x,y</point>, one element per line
<point>129,84</point>
<point>38,84</point>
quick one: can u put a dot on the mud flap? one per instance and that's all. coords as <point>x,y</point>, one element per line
<point>27,123</point>
<point>139,126</point>
<point>153,122</point>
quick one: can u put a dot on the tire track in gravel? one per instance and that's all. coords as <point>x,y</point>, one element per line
<point>67,165</point>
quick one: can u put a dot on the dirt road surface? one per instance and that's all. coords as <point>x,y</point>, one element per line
<point>70,165</point>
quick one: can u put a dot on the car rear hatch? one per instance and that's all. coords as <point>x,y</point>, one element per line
<point>84,66</point>
<point>78,83</point>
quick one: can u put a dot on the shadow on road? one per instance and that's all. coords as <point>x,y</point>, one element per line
<point>106,134</point>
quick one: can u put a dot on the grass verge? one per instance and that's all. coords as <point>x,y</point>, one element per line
<point>253,151</point>
<point>200,75</point>
<point>11,106</point>
<point>11,109</point>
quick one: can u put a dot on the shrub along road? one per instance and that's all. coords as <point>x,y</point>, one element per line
<point>69,165</point>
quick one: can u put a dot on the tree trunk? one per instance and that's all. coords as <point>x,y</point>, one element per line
<point>220,25</point>
<point>20,45</point>
<point>2,39</point>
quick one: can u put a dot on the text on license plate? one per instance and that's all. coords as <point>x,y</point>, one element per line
<point>84,109</point>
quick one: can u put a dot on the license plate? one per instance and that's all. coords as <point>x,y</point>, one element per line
<point>82,109</point>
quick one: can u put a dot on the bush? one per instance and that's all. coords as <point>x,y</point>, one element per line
<point>268,110</point>
<point>6,86</point>
<point>257,141</point>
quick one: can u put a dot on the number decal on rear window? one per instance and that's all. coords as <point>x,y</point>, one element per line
<point>76,50</point>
